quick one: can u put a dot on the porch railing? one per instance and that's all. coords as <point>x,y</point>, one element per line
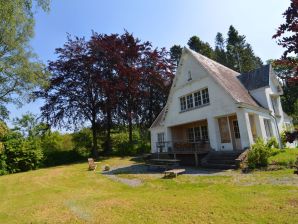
<point>182,147</point>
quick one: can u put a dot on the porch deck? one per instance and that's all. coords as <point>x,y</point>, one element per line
<point>183,147</point>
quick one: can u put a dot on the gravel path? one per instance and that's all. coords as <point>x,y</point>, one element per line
<point>130,182</point>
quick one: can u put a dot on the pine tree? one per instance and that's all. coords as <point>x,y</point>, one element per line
<point>220,54</point>
<point>240,56</point>
<point>175,53</point>
<point>201,47</point>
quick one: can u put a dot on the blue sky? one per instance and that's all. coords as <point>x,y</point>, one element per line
<point>163,22</point>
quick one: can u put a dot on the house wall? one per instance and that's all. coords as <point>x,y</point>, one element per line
<point>221,103</point>
<point>263,96</point>
<point>154,131</point>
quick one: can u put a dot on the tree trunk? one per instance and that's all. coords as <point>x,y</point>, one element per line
<point>108,145</point>
<point>130,129</point>
<point>94,142</point>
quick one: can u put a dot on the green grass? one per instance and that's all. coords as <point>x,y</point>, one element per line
<point>71,194</point>
<point>286,158</point>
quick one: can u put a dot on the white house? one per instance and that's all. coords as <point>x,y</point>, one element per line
<point>213,108</point>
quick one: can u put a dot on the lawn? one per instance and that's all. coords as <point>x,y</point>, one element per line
<point>287,157</point>
<point>71,194</point>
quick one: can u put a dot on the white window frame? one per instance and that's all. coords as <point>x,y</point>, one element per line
<point>195,100</point>
<point>183,104</point>
<point>268,128</point>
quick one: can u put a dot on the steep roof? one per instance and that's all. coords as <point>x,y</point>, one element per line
<point>159,118</point>
<point>257,78</point>
<point>227,78</point>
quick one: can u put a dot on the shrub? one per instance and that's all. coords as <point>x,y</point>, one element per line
<point>296,166</point>
<point>259,154</point>
<point>21,154</point>
<point>272,143</point>
<point>82,142</point>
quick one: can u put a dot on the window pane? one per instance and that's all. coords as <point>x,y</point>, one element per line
<point>160,137</point>
<point>205,96</point>
<point>204,130</point>
<point>224,130</point>
<point>183,103</point>
<point>198,100</point>
<point>236,129</point>
<point>268,128</point>
<point>189,101</point>
<point>197,134</point>
<point>190,134</point>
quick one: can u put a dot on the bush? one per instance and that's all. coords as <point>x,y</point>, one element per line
<point>56,158</point>
<point>259,154</point>
<point>272,143</point>
<point>20,154</point>
<point>83,142</point>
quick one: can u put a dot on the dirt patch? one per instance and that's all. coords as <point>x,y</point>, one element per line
<point>293,202</point>
<point>130,182</point>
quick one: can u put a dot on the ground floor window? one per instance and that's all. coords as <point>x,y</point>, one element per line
<point>236,129</point>
<point>161,137</point>
<point>268,128</point>
<point>198,134</point>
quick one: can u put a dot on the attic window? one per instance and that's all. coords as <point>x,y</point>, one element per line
<point>189,76</point>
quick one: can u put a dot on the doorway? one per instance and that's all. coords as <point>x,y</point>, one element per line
<point>229,133</point>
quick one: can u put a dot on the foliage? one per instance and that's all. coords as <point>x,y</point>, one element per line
<point>291,136</point>
<point>233,52</point>
<point>175,52</point>
<point>59,149</point>
<point>240,56</point>
<point>286,71</point>
<point>287,33</point>
<point>19,71</point>
<point>82,141</point>
<point>220,50</point>
<point>196,44</point>
<point>285,157</point>
<point>108,79</point>
<point>272,143</point>
<point>20,154</point>
<point>259,154</point>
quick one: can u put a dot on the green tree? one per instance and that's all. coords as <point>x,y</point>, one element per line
<point>175,52</point>
<point>19,69</point>
<point>196,44</point>
<point>220,54</point>
<point>240,56</point>
<point>29,126</point>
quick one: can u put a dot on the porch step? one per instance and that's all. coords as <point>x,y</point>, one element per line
<point>221,160</point>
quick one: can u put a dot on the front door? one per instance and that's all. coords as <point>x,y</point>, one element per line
<point>225,134</point>
<point>236,134</point>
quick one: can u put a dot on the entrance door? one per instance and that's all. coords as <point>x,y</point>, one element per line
<point>236,134</point>
<point>225,134</point>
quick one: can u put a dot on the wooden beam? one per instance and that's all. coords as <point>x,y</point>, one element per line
<point>196,159</point>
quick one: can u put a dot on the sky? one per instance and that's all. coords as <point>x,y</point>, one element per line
<point>162,22</point>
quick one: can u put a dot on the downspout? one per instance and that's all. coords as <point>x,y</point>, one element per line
<point>278,134</point>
